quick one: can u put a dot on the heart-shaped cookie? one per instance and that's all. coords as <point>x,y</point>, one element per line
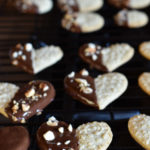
<point>7,92</point>
<point>98,92</point>
<point>144,82</point>
<point>30,99</point>
<point>94,136</point>
<point>56,135</point>
<point>34,61</point>
<point>106,58</point>
<point>139,128</point>
<point>14,138</point>
<point>144,49</point>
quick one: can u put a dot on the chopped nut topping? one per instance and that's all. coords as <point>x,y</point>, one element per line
<point>94,57</point>
<point>82,82</point>
<point>15,62</point>
<point>14,102</point>
<point>72,74</point>
<point>23,120</point>
<point>86,90</point>
<point>61,130</point>
<point>25,107</point>
<point>30,93</point>
<point>24,57</point>
<point>19,46</point>
<point>58,143</point>
<point>49,136</point>
<point>45,94</point>
<point>19,52</point>
<point>15,55</point>
<point>14,118</point>
<point>84,72</point>
<point>70,128</point>
<point>44,86</point>
<point>15,107</point>
<point>67,142</point>
<point>28,47</point>
<point>52,121</point>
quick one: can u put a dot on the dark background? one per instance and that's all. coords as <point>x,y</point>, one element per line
<point>19,28</point>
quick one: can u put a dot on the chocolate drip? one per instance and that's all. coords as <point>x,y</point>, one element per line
<point>74,89</point>
<point>22,58</point>
<point>29,100</point>
<point>59,138</point>
<point>98,64</point>
<point>120,3</point>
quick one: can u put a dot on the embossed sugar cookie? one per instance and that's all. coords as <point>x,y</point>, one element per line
<point>80,5</point>
<point>134,4</point>
<point>94,136</point>
<point>144,82</point>
<point>144,49</point>
<point>139,128</point>
<point>96,92</point>
<point>106,58</point>
<point>82,22</point>
<point>34,60</point>
<point>29,100</point>
<point>56,135</point>
<point>131,18</point>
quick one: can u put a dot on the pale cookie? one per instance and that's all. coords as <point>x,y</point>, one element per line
<point>139,128</point>
<point>106,58</point>
<point>144,82</point>
<point>82,22</point>
<point>94,136</point>
<point>35,60</point>
<point>80,5</point>
<point>33,6</point>
<point>134,4</point>
<point>96,92</point>
<point>7,92</point>
<point>144,49</point>
<point>131,18</point>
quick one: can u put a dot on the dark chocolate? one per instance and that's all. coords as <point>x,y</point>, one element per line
<point>120,3</point>
<point>94,63</point>
<point>77,90</point>
<point>66,139</point>
<point>30,100</point>
<point>22,57</point>
<point>14,138</point>
<point>68,5</point>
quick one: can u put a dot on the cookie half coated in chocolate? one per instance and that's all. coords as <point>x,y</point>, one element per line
<point>96,92</point>
<point>30,100</point>
<point>56,135</point>
<point>31,6</point>
<point>106,59</point>
<point>34,60</point>
<point>14,138</point>
<point>80,5</point>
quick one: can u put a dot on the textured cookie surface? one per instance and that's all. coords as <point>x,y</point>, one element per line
<point>7,92</point>
<point>144,82</point>
<point>106,58</point>
<point>94,136</point>
<point>30,99</point>
<point>35,60</point>
<point>131,18</point>
<point>139,128</point>
<point>56,135</point>
<point>33,6</point>
<point>134,4</point>
<point>144,49</point>
<point>82,22</point>
<point>14,138</point>
<point>98,92</point>
<point>80,5</point>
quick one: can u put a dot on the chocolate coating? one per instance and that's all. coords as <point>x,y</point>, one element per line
<point>68,5</point>
<point>59,137</point>
<point>88,59</point>
<point>14,138</point>
<point>30,100</point>
<point>22,60</point>
<point>73,88</point>
<point>119,3</point>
